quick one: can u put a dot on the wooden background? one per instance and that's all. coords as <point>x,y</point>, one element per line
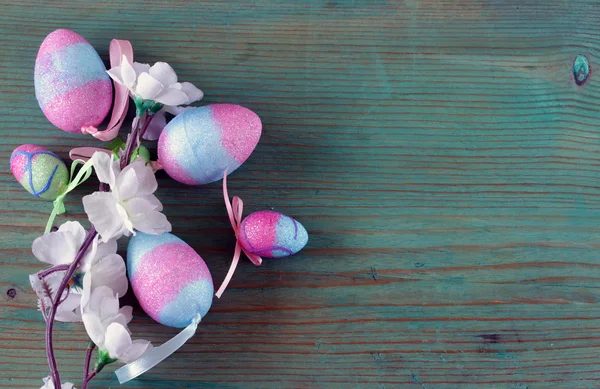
<point>439,152</point>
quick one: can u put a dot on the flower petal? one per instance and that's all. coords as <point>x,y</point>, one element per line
<point>127,183</point>
<point>140,68</point>
<point>117,340</point>
<point>146,179</point>
<point>128,73</point>
<point>164,73</point>
<point>127,312</point>
<point>86,289</point>
<point>171,96</point>
<point>137,349</point>
<point>106,169</point>
<point>148,87</point>
<point>154,223</point>
<point>68,316</point>
<point>55,248</point>
<point>109,271</point>
<point>109,308</point>
<point>156,126</point>
<point>75,229</point>
<point>105,248</point>
<point>96,298</point>
<point>193,93</point>
<point>101,209</point>
<point>94,328</point>
<point>115,74</point>
<point>90,255</point>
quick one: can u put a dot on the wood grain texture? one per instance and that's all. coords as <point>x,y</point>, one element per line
<point>439,153</point>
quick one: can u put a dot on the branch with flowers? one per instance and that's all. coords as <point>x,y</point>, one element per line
<point>87,276</point>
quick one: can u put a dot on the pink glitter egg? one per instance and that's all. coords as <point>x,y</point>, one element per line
<point>271,234</point>
<point>198,145</point>
<point>170,280</point>
<point>71,84</point>
<point>41,172</point>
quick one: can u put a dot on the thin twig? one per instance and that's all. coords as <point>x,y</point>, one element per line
<point>71,270</point>
<point>47,272</point>
<point>86,367</point>
<point>145,126</point>
<point>61,288</point>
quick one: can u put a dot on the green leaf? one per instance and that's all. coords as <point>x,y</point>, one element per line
<point>117,144</point>
<point>103,360</point>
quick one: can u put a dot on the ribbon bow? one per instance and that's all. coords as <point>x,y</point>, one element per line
<point>235,211</point>
<point>59,204</point>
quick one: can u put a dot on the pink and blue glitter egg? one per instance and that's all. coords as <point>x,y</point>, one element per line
<point>41,172</point>
<point>271,234</point>
<point>198,145</point>
<point>170,280</point>
<point>71,84</point>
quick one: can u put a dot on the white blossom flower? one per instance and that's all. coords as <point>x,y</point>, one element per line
<point>129,205</point>
<point>106,326</point>
<point>61,247</point>
<point>119,345</point>
<point>102,310</point>
<point>49,384</point>
<point>107,270</point>
<point>157,83</point>
<point>69,310</point>
<point>100,266</point>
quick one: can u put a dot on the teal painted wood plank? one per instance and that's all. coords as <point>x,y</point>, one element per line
<point>440,154</point>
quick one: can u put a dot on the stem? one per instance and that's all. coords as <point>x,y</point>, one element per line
<point>147,121</point>
<point>47,272</point>
<point>86,368</point>
<point>131,143</point>
<point>89,378</point>
<point>69,274</point>
<point>59,292</point>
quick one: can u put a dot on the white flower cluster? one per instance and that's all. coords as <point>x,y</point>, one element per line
<point>99,279</point>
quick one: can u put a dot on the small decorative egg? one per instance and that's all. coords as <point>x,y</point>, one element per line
<point>41,172</point>
<point>271,234</point>
<point>71,84</point>
<point>198,145</point>
<point>169,279</point>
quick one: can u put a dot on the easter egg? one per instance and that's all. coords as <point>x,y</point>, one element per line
<point>71,84</point>
<point>41,172</point>
<point>169,279</point>
<point>198,145</point>
<point>271,234</point>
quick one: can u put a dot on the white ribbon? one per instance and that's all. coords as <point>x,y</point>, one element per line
<point>156,355</point>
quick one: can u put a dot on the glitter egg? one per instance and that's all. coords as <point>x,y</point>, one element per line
<point>198,145</point>
<point>170,280</point>
<point>71,84</point>
<point>271,234</point>
<point>41,172</point>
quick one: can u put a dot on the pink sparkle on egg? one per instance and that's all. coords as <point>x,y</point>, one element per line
<point>176,171</point>
<point>18,162</point>
<point>59,39</point>
<point>258,231</point>
<point>231,118</point>
<point>178,263</point>
<point>80,106</point>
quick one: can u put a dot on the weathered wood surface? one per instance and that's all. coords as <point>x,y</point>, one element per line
<point>440,154</point>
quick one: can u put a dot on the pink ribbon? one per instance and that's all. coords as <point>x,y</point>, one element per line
<point>118,49</point>
<point>235,212</point>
